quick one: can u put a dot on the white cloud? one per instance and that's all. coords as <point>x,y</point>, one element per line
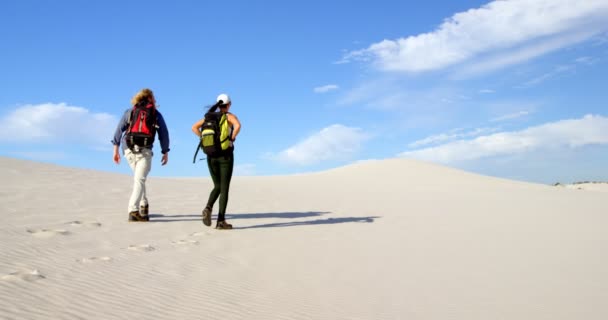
<point>511,116</point>
<point>586,61</point>
<point>518,55</point>
<point>366,92</point>
<point>573,133</point>
<point>455,134</point>
<point>553,73</point>
<point>326,88</point>
<point>57,124</point>
<point>528,27</point>
<point>336,142</point>
<point>392,94</point>
<point>486,91</point>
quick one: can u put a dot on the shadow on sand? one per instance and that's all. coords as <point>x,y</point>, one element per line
<point>280,215</point>
<point>197,217</point>
<point>312,222</point>
<point>157,217</point>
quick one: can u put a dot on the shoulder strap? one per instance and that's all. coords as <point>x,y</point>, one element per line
<point>155,113</point>
<point>130,119</point>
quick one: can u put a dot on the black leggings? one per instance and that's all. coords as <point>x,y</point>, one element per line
<point>220,169</point>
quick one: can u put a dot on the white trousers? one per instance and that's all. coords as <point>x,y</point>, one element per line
<point>140,163</point>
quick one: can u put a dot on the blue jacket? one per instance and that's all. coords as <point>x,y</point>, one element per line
<point>162,131</point>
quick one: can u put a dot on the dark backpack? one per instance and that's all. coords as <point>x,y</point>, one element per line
<point>215,134</point>
<point>142,126</point>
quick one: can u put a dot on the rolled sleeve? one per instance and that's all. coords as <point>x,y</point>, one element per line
<point>163,134</point>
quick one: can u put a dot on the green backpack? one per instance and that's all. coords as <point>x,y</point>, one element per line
<point>215,135</point>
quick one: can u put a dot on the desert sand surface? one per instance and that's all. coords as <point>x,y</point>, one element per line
<point>386,239</point>
<point>588,186</point>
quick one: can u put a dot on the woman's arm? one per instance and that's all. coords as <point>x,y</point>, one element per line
<point>236,124</point>
<point>196,128</point>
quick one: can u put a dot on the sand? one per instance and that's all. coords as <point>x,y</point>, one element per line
<point>386,239</point>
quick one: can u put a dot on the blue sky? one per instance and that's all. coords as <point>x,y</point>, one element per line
<point>513,89</point>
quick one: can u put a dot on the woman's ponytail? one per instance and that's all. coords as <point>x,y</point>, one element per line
<point>214,107</point>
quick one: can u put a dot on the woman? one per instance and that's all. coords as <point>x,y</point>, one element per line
<point>220,167</point>
<point>136,131</point>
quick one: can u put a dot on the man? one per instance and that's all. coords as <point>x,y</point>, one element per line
<point>136,130</point>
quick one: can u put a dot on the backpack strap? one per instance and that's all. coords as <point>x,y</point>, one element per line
<point>198,147</point>
<point>155,114</point>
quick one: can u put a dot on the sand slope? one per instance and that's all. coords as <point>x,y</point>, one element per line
<point>391,239</point>
<point>587,186</point>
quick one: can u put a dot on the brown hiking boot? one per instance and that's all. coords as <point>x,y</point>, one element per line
<point>143,210</point>
<point>207,216</point>
<point>135,216</point>
<point>223,225</point>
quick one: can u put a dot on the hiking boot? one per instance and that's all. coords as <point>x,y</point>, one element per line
<point>143,210</point>
<point>223,225</point>
<point>207,216</point>
<point>137,217</point>
<point>133,216</point>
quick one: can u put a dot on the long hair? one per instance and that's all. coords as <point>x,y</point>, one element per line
<point>143,96</point>
<point>214,107</point>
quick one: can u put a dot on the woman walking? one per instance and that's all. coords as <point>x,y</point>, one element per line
<point>221,161</point>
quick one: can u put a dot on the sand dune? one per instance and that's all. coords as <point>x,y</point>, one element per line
<point>589,186</point>
<point>390,239</point>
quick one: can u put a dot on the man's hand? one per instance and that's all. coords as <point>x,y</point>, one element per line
<point>165,159</point>
<point>116,155</point>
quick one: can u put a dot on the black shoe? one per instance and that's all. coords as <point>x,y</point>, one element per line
<point>137,217</point>
<point>207,216</point>
<point>223,225</point>
<point>143,210</point>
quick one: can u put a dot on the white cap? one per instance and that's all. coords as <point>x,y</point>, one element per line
<point>224,98</point>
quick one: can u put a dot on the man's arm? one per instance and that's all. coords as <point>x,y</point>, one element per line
<point>120,128</point>
<point>163,134</point>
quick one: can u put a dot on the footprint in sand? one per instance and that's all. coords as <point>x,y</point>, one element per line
<point>45,233</point>
<point>185,242</point>
<point>91,224</point>
<point>199,234</point>
<point>24,275</point>
<point>141,247</point>
<point>94,259</point>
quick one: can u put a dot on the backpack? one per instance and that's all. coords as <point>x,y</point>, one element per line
<point>215,134</point>
<point>142,126</point>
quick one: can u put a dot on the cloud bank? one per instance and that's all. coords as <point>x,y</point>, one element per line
<point>60,123</point>
<point>573,133</point>
<point>501,32</point>
<point>336,142</point>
